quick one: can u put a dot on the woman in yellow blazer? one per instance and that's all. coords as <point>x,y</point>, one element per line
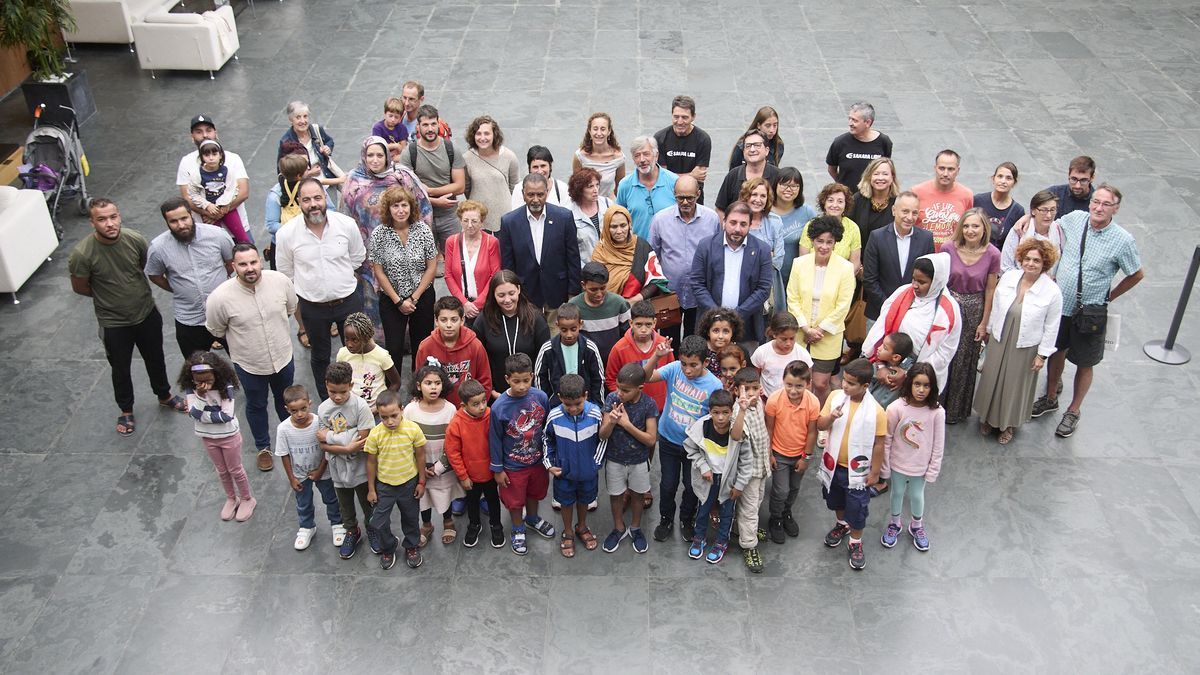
<point>819,293</point>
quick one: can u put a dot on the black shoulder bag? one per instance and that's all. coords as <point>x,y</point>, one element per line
<point>1088,319</point>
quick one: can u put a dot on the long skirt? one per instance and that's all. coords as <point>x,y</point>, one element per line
<point>1008,384</point>
<point>960,384</point>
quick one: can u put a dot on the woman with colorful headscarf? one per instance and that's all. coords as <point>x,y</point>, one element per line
<point>633,269</point>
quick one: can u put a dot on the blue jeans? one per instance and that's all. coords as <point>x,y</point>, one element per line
<point>725,511</point>
<point>256,388</point>
<point>304,502</point>
<point>676,468</point>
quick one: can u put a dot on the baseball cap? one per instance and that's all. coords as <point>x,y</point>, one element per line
<point>202,119</point>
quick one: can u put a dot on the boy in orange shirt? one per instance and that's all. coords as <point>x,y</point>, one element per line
<point>792,414</point>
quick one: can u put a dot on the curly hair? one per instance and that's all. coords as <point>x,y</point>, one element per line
<point>393,195</point>
<point>1049,253</point>
<point>832,189</point>
<point>421,374</point>
<point>586,144</point>
<point>579,181</point>
<point>748,188</point>
<point>473,127</point>
<point>822,224</point>
<point>721,314</point>
<point>225,380</point>
<point>471,205</point>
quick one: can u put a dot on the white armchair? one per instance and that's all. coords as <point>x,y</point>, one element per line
<point>186,41</point>
<point>27,237</point>
<point>110,21</point>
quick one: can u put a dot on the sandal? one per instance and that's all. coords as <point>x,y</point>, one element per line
<point>589,539</point>
<point>1006,436</point>
<point>647,500</point>
<point>985,429</point>
<point>216,346</point>
<point>125,425</point>
<point>302,336</point>
<point>426,532</point>
<point>567,546</point>
<point>175,403</point>
<point>449,534</point>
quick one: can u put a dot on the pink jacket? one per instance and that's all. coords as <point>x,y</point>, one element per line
<point>486,264</point>
<point>915,441</point>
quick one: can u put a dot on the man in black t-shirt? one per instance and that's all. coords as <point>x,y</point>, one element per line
<point>850,153</point>
<point>683,147</point>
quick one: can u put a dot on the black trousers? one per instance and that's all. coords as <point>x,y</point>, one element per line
<point>417,325</point>
<point>193,339</point>
<point>119,342</point>
<point>318,317</point>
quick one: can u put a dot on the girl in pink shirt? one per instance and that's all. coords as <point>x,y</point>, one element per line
<point>912,451</point>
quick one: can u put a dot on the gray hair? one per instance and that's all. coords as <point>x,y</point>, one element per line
<point>295,107</point>
<point>643,141</point>
<point>864,109</point>
<point>532,178</point>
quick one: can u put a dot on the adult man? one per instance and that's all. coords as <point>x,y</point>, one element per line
<point>734,270</point>
<point>943,199</point>
<point>674,233</point>
<point>412,95</point>
<point>539,160</point>
<point>189,261</point>
<point>1099,247</point>
<point>251,311</point>
<point>1076,193</point>
<point>320,251</point>
<point>538,242</point>
<point>754,149</point>
<point>205,129</point>
<point>891,251</point>
<point>648,190</point>
<point>850,153</point>
<point>442,171</point>
<point>683,147</point>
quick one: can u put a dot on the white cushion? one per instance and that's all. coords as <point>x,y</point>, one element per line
<point>8,194</point>
<point>163,16</point>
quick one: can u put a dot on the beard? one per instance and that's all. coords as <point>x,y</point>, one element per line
<point>315,217</point>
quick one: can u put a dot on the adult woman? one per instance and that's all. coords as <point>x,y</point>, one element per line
<point>998,205</point>
<point>766,120</point>
<point>974,269</point>
<point>314,139</point>
<point>1043,208</point>
<point>599,150</point>
<point>588,206</point>
<point>404,258</point>
<point>1026,310</point>
<point>877,192</point>
<point>924,312</point>
<point>788,187</point>
<point>472,257</point>
<point>835,200</point>
<point>509,324</point>
<point>819,293</point>
<point>492,169</point>
<point>767,227</point>
<point>633,269</point>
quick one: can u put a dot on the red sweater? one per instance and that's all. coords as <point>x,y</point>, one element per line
<point>467,358</point>
<point>625,351</point>
<point>467,447</point>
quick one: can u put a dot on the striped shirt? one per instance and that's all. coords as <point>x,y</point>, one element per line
<point>754,429</point>
<point>605,324</point>
<point>433,426</point>
<point>395,450</point>
<point>194,268</point>
<point>1106,252</point>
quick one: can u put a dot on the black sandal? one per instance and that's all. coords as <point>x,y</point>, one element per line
<point>125,425</point>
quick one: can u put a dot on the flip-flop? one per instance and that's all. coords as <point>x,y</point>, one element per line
<point>567,546</point>
<point>175,403</point>
<point>589,539</point>
<point>449,534</point>
<point>647,500</point>
<point>125,425</point>
<point>302,336</point>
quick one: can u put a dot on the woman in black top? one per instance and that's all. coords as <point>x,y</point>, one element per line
<point>508,324</point>
<point>877,191</point>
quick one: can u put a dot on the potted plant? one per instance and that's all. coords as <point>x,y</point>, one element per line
<point>36,26</point>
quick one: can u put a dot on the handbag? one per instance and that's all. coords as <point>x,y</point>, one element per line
<point>667,311</point>
<point>462,260</point>
<point>1088,319</point>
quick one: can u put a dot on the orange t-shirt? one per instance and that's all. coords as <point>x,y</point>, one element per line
<point>940,211</point>
<point>790,436</point>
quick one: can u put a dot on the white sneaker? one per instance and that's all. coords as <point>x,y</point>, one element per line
<point>822,439</point>
<point>339,534</point>
<point>592,507</point>
<point>304,537</point>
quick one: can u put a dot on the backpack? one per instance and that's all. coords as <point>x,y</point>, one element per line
<point>412,151</point>
<point>292,209</point>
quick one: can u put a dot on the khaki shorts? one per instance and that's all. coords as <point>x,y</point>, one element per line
<point>621,477</point>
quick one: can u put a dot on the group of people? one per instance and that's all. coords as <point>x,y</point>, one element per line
<point>591,323</point>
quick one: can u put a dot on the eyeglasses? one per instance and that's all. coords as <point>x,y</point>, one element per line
<point>753,144</point>
<point>1078,181</point>
<point>1107,205</point>
<point>786,186</point>
<point>686,198</point>
<point>1047,210</point>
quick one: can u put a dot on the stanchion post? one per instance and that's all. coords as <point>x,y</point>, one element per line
<point>1166,351</point>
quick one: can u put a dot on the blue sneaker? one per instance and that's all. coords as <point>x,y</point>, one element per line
<point>639,540</point>
<point>890,535</point>
<point>541,526</point>
<point>696,550</point>
<point>717,553</point>
<point>458,507</point>
<point>613,540</point>
<point>373,541</point>
<point>919,538</point>
<point>350,543</point>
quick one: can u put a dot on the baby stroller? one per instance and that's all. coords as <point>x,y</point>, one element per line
<point>54,162</point>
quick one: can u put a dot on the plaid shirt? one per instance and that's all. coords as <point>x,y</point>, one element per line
<point>754,427</point>
<point>1106,252</point>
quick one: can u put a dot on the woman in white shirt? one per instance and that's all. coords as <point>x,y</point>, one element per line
<point>1042,208</point>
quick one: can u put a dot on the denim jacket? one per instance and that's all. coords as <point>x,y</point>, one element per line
<point>290,135</point>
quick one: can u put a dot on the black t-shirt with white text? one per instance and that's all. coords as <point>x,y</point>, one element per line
<point>681,154</point>
<point>851,156</point>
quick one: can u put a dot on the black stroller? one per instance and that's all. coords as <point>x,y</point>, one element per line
<point>54,162</point>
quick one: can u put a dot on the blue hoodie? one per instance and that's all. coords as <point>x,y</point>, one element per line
<point>515,431</point>
<point>573,443</point>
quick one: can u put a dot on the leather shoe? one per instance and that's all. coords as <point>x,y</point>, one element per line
<point>265,461</point>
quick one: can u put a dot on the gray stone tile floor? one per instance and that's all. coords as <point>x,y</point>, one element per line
<point>1050,555</point>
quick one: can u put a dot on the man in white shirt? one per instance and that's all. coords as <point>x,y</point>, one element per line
<point>320,251</point>
<point>205,129</point>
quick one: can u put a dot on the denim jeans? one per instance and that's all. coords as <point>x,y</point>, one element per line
<point>725,509</point>
<point>676,469</point>
<point>256,388</point>
<point>304,502</point>
<point>399,497</point>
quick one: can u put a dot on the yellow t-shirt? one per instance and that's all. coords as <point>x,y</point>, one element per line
<point>396,451</point>
<point>880,426</point>
<point>851,239</point>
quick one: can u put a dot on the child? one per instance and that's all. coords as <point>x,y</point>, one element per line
<point>515,442</point>
<point>720,327</point>
<point>637,346</point>
<point>211,192</point>
<point>373,365</point>
<point>432,413</point>
<point>893,357</point>
<point>455,348</point>
<point>774,356</point>
<point>573,454</point>
<point>209,381</point>
<point>689,384</point>
<point>605,314</point>
<point>467,448</point>
<point>731,359</point>
<point>851,459</point>
<point>913,450</point>
<point>344,422</point>
<point>792,423</point>
<point>750,426</point>
<point>721,466</point>
<point>390,128</point>
<point>629,428</point>
<point>395,479</point>
<point>304,465</point>
<point>569,352</point>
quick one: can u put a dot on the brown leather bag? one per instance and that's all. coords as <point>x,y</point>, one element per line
<point>668,313</point>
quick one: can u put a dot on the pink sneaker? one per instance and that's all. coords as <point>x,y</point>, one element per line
<point>246,509</point>
<point>228,510</point>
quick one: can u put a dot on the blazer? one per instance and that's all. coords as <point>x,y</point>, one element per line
<point>836,295</point>
<point>707,277</point>
<point>487,263</point>
<point>1041,312</point>
<point>556,278</point>
<point>881,270</point>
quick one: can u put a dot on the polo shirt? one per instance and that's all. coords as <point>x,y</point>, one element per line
<point>194,269</point>
<point>790,435</point>
<point>643,203</point>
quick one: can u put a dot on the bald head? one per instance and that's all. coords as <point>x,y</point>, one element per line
<point>687,190</point>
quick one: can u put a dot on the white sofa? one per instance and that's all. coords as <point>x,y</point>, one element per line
<point>27,236</point>
<point>168,41</point>
<point>110,21</point>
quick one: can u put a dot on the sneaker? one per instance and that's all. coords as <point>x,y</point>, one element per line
<point>663,530</point>
<point>387,560</point>
<point>554,504</point>
<point>790,526</point>
<point>458,507</point>
<point>613,540</point>
<point>413,558</point>
<point>339,535</point>
<point>1067,425</point>
<point>775,530</point>
<point>498,537</point>
<point>696,550</point>
<point>717,553</point>
<point>229,509</point>
<point>835,536</point>
<point>471,538</point>
<point>753,560</point>
<point>518,542</point>
<point>687,529</point>
<point>761,534</point>
<point>858,559</point>
<point>890,535</point>
<point>822,439</point>
<point>541,526</point>
<point>920,541</point>
<point>245,509</point>
<point>350,543</point>
<point>373,541</point>
<point>593,506</point>
<point>304,537</point>
<point>639,540</point>
<point>1044,405</point>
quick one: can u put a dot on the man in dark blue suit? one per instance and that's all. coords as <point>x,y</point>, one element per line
<point>891,250</point>
<point>732,269</point>
<point>538,242</point>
